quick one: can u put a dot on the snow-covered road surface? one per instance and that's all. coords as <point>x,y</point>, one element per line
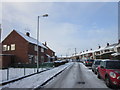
<point>38,79</point>
<point>77,76</point>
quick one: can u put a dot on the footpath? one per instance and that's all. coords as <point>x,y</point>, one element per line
<point>37,80</point>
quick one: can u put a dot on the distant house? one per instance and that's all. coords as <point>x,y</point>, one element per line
<point>49,53</point>
<point>23,48</point>
<point>116,55</point>
<point>108,51</point>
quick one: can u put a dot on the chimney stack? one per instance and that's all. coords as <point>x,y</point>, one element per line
<point>45,44</point>
<point>99,47</point>
<point>28,34</point>
<point>119,41</point>
<point>107,44</point>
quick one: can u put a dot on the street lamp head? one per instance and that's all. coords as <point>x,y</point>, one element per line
<point>46,15</point>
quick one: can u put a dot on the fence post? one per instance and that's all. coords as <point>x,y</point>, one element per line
<point>34,69</point>
<point>24,71</point>
<point>8,74</point>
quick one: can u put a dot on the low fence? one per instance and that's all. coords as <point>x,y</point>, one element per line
<point>20,70</point>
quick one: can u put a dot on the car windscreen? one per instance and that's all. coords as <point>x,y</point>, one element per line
<point>97,62</point>
<point>113,65</point>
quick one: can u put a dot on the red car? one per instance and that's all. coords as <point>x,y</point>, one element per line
<point>109,70</point>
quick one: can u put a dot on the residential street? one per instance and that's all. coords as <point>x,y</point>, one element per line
<point>76,76</point>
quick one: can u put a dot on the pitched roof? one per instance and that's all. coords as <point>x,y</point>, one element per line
<point>48,47</point>
<point>111,46</point>
<point>30,39</point>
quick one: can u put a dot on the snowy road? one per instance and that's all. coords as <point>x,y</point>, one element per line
<point>76,76</point>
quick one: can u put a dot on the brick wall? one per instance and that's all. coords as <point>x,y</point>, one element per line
<point>21,47</point>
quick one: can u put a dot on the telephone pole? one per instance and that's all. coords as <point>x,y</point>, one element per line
<point>75,52</point>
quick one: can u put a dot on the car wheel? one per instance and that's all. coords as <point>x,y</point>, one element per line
<point>108,82</point>
<point>95,72</point>
<point>98,75</point>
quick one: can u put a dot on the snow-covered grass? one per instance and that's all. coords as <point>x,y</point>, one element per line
<point>37,79</point>
<point>14,73</point>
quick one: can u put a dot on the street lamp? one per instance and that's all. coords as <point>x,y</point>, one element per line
<point>45,15</point>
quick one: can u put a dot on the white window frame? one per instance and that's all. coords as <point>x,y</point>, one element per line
<point>35,48</point>
<point>42,58</point>
<point>4,47</point>
<point>12,47</point>
<point>35,57</point>
<point>42,49</point>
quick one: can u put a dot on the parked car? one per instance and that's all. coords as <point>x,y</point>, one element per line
<point>109,70</point>
<point>95,65</point>
<point>60,62</point>
<point>88,62</point>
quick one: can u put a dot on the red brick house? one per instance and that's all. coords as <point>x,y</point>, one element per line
<point>50,53</point>
<point>23,47</point>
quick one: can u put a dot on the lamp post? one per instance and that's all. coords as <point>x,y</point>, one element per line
<point>45,15</point>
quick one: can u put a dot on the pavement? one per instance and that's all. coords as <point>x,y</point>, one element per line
<point>37,80</point>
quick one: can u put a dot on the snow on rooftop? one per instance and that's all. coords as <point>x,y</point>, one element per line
<point>102,48</point>
<point>30,39</point>
<point>118,45</point>
<point>115,54</point>
<point>48,55</point>
<point>92,51</point>
<point>109,47</point>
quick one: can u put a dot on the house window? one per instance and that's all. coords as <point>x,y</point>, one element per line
<point>35,48</point>
<point>53,53</point>
<point>4,47</point>
<point>35,59</point>
<point>12,46</point>
<point>42,49</point>
<point>42,58</point>
<point>118,49</point>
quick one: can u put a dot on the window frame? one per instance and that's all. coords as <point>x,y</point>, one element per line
<point>13,47</point>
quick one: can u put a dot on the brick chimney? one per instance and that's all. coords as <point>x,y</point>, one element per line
<point>119,41</point>
<point>28,34</point>
<point>107,44</point>
<point>45,44</point>
<point>99,47</point>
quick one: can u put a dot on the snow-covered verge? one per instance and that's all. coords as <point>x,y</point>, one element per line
<point>37,79</point>
<point>14,73</point>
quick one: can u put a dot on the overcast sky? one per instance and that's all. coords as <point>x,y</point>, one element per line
<point>70,25</point>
